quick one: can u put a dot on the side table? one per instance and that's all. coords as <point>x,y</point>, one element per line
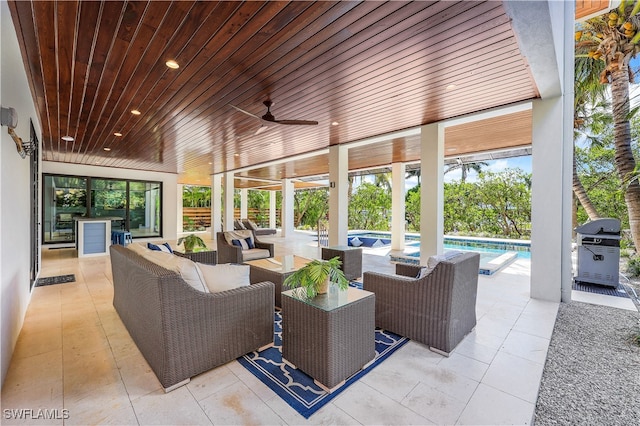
<point>330,338</point>
<point>351,258</point>
<point>210,257</point>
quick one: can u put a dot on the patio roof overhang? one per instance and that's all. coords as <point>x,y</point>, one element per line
<point>361,69</point>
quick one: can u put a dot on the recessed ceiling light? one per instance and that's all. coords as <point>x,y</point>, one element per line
<point>135,112</point>
<point>118,134</point>
<point>451,87</point>
<point>172,64</point>
<point>335,123</point>
<point>107,149</point>
<point>236,155</point>
<point>210,163</point>
<point>67,138</point>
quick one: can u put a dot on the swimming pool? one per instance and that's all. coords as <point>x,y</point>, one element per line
<point>494,253</point>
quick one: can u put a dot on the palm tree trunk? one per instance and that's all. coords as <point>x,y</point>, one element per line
<point>582,195</point>
<point>624,160</point>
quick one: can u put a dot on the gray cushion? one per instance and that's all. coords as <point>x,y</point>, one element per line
<point>253,254</point>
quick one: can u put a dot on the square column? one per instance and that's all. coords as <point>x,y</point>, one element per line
<point>338,200</point>
<point>272,209</point>
<point>398,171</point>
<point>244,195</point>
<point>287,207</point>
<point>432,191</point>
<point>228,201</point>
<point>551,169</point>
<point>179,210</point>
<point>216,205</point>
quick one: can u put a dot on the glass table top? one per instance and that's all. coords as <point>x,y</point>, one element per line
<point>281,264</point>
<point>331,300</point>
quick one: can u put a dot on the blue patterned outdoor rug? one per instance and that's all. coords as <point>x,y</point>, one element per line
<point>295,387</point>
<point>600,289</point>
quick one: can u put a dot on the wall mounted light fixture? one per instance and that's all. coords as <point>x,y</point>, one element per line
<point>9,118</point>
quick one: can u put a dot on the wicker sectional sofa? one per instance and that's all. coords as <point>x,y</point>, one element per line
<point>181,331</point>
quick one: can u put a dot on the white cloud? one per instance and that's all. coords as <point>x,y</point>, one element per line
<point>498,165</point>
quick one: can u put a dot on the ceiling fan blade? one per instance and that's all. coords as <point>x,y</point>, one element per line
<point>261,129</point>
<point>245,112</point>
<point>271,119</point>
<point>296,122</point>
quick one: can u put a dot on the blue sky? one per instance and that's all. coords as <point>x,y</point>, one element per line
<point>523,163</point>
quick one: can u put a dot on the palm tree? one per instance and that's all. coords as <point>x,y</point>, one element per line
<point>589,119</point>
<point>416,172</point>
<point>382,180</point>
<point>466,168</point>
<point>613,38</point>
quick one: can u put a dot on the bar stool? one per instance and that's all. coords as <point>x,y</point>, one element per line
<point>121,237</point>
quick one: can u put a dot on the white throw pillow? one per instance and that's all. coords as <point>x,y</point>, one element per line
<point>355,242</point>
<point>183,266</point>
<point>433,260</point>
<point>448,255</point>
<point>225,276</point>
<point>424,271</point>
<point>377,244</point>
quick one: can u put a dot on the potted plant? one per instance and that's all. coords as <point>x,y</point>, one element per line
<point>191,241</point>
<point>314,277</point>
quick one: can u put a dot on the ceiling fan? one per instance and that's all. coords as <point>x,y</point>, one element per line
<point>271,119</point>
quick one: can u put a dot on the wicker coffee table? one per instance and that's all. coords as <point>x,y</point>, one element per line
<point>275,269</point>
<point>330,338</point>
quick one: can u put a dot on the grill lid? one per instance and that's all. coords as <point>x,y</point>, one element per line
<point>606,226</point>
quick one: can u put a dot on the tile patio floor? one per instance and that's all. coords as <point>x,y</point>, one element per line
<point>74,353</point>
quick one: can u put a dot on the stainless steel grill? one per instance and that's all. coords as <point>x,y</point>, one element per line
<point>599,252</point>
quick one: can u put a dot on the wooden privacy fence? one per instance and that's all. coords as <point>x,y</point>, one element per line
<point>201,216</point>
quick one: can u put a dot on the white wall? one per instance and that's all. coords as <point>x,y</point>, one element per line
<point>169,187</point>
<point>14,192</point>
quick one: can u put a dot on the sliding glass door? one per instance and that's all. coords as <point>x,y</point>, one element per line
<point>144,210</point>
<point>64,197</point>
<point>135,206</point>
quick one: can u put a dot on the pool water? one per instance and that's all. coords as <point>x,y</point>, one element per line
<point>494,254</point>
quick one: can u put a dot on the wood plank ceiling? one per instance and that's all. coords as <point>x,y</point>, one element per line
<point>358,68</point>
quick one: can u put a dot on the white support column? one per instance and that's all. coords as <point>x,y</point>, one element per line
<point>244,196</point>
<point>179,210</point>
<point>287,207</point>
<point>432,191</point>
<point>398,171</point>
<point>216,205</point>
<point>228,201</point>
<point>272,209</point>
<point>550,203</point>
<point>338,200</point>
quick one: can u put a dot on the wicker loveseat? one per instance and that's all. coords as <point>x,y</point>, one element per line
<point>229,253</point>
<point>438,309</point>
<point>181,331</point>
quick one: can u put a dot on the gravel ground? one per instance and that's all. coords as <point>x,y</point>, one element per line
<point>592,372</point>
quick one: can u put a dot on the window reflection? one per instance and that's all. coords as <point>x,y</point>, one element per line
<point>64,198</point>
<point>133,205</point>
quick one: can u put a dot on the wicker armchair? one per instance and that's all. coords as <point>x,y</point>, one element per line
<point>181,331</point>
<point>228,253</point>
<point>438,309</point>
